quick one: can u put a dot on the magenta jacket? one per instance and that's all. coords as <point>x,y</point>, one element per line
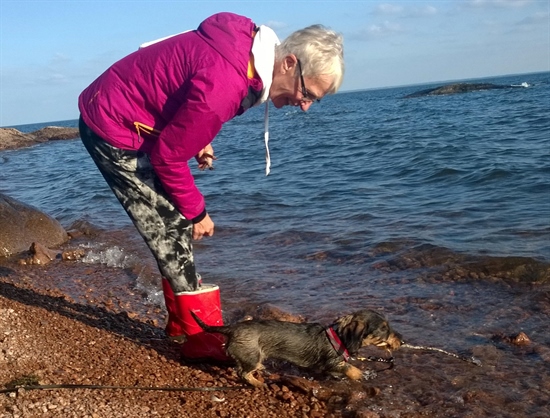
<point>184,87</point>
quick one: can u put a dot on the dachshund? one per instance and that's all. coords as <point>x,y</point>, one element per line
<point>307,345</point>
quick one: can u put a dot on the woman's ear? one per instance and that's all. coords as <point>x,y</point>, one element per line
<point>289,62</point>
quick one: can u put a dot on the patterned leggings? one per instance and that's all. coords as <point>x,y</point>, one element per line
<point>166,231</point>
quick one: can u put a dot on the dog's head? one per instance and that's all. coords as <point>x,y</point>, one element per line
<point>364,328</point>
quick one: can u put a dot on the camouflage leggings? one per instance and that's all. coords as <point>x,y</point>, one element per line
<point>166,231</point>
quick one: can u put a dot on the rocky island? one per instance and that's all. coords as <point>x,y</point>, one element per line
<point>461,88</point>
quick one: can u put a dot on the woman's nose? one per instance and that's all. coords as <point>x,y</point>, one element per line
<point>305,105</point>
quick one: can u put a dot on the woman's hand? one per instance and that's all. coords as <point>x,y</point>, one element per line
<point>205,158</point>
<point>202,228</point>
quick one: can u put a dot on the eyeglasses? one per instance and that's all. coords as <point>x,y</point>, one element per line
<point>306,95</point>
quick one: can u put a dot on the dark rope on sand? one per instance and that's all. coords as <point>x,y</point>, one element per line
<point>165,389</point>
<point>389,360</point>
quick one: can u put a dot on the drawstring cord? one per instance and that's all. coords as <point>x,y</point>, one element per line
<point>149,130</point>
<point>266,139</point>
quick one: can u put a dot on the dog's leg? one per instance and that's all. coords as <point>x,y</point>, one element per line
<point>249,378</point>
<point>246,371</point>
<point>353,372</point>
<point>247,365</point>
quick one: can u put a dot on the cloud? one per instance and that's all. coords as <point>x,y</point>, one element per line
<point>381,30</point>
<point>55,72</point>
<point>387,27</point>
<point>497,3</point>
<point>404,11</point>
<point>60,59</point>
<point>52,78</point>
<point>422,11</point>
<point>535,19</point>
<point>386,8</point>
<point>273,24</point>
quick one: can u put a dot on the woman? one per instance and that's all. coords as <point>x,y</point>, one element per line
<point>145,117</point>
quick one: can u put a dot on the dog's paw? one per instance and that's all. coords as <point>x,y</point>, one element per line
<point>369,375</point>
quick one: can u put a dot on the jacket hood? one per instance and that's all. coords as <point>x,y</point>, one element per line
<point>225,30</point>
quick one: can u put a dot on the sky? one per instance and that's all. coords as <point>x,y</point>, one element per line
<point>52,50</point>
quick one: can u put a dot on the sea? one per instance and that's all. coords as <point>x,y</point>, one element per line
<point>430,209</point>
<point>359,177</point>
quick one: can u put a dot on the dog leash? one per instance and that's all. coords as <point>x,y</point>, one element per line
<point>102,387</point>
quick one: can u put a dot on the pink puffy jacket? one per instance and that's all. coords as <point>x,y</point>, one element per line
<point>184,87</point>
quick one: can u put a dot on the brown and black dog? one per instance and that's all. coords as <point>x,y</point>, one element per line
<point>308,345</point>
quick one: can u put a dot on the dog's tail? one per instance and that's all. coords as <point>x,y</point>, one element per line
<point>210,328</point>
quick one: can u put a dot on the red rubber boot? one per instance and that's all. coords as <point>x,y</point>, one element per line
<point>175,326</point>
<point>206,304</point>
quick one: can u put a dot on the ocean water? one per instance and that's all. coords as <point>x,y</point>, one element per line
<point>359,179</point>
<point>421,207</point>
<point>468,172</point>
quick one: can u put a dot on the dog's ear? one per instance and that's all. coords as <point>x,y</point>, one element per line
<point>351,331</point>
<point>355,328</point>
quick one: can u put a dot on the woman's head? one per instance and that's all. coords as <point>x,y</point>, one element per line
<point>320,51</point>
<point>308,65</point>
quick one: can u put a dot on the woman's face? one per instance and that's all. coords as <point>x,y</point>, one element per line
<point>287,89</point>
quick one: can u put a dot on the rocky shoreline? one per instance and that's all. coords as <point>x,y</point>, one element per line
<point>48,338</point>
<point>101,332</point>
<point>11,138</point>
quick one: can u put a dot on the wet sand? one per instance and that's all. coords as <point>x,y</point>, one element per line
<point>73,323</point>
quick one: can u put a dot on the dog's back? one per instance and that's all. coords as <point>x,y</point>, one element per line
<point>268,331</point>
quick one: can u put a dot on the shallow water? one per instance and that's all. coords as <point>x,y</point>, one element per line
<point>470,317</point>
<point>434,211</point>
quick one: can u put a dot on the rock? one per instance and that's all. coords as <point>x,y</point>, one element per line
<point>269,311</point>
<point>521,339</point>
<point>11,138</point>
<point>518,269</point>
<point>22,224</point>
<point>39,255</point>
<point>72,254</point>
<point>457,88</point>
<point>55,133</point>
<point>265,311</point>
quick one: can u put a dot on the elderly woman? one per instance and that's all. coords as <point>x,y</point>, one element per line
<point>146,116</point>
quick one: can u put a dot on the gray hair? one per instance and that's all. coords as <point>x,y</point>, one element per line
<point>320,51</point>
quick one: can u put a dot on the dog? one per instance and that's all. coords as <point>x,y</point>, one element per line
<point>307,345</point>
